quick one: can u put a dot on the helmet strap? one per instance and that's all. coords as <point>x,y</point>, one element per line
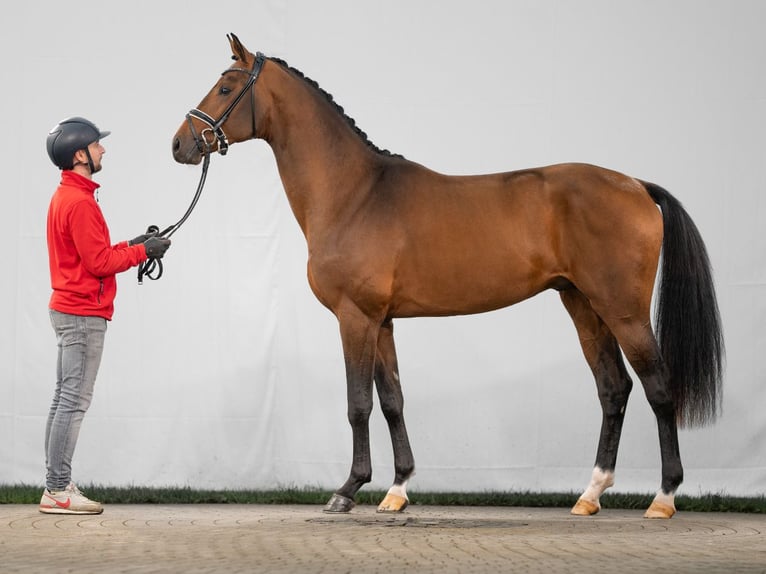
<point>90,162</point>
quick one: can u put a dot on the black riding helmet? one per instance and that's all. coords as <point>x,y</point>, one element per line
<point>70,135</point>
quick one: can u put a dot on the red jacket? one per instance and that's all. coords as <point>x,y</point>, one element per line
<point>83,262</point>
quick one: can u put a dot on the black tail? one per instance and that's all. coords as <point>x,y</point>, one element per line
<point>688,323</point>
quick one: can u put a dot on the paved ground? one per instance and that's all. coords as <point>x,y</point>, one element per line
<point>296,539</point>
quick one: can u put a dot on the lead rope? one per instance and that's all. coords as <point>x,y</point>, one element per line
<point>152,267</point>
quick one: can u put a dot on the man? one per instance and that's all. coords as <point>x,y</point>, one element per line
<point>83,265</point>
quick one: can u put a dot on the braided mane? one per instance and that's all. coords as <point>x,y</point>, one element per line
<point>338,108</point>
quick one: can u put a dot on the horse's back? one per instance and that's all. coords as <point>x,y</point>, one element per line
<point>565,187</point>
<point>550,213</point>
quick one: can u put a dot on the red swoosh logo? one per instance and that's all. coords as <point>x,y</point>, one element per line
<point>63,505</point>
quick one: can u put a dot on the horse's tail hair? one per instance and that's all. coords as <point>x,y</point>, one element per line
<point>688,322</point>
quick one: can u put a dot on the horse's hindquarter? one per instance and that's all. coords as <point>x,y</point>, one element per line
<point>610,237</point>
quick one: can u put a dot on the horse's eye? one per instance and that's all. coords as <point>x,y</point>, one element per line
<point>225,91</point>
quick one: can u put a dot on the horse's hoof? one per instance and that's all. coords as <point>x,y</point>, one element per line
<point>393,503</point>
<point>585,508</point>
<point>339,503</point>
<point>659,510</point>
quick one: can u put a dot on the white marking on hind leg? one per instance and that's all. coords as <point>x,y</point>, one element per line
<point>668,499</point>
<point>399,490</point>
<point>396,499</point>
<point>663,506</point>
<point>600,480</point>
<point>588,504</point>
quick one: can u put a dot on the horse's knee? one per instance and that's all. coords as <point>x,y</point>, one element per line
<point>359,416</point>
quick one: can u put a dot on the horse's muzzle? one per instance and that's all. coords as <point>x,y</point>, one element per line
<point>185,151</point>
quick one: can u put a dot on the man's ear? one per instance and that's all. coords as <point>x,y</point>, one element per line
<point>80,156</point>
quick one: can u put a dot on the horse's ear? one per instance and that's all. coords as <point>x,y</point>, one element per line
<point>237,49</point>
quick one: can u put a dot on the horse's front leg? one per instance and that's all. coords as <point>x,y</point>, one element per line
<point>392,404</point>
<point>360,336</point>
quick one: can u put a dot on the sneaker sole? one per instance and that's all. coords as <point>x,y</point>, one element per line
<point>53,510</point>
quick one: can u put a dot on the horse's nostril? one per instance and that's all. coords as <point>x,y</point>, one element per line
<point>176,144</point>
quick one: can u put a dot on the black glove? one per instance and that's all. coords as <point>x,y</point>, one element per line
<point>142,238</point>
<point>156,247</point>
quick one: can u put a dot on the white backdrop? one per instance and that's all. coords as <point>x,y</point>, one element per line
<point>227,373</point>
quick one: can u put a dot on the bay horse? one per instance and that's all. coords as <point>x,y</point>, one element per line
<point>390,238</point>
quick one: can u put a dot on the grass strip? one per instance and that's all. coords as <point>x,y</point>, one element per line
<point>28,494</point>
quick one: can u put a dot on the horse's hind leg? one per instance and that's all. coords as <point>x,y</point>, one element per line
<point>614,385</point>
<point>392,404</point>
<point>640,346</point>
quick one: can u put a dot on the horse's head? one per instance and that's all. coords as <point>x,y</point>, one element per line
<point>222,117</point>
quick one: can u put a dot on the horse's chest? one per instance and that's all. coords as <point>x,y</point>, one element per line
<point>338,275</point>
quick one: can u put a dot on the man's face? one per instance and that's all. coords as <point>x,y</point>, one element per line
<point>96,152</point>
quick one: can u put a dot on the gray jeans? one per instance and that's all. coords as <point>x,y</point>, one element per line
<point>80,345</point>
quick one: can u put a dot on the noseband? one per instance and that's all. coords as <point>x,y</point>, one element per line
<point>215,127</point>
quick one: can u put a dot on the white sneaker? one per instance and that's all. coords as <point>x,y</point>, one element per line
<point>68,501</point>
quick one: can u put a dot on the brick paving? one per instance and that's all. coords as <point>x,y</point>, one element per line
<point>424,539</point>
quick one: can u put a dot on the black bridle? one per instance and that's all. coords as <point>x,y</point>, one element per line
<point>152,267</point>
<point>215,127</point>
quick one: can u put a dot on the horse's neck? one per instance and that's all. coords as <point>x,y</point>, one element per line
<point>322,162</point>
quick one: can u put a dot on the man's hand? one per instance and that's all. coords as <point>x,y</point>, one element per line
<point>142,238</point>
<point>156,247</point>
